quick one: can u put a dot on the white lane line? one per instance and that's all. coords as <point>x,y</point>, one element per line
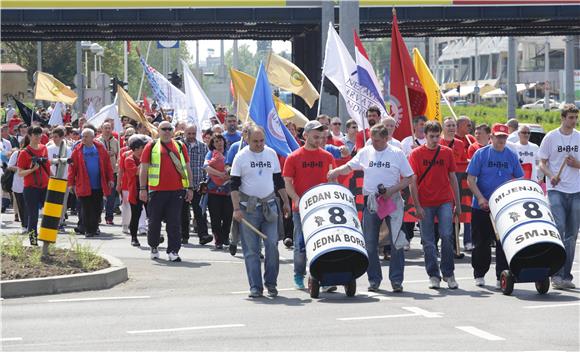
<point>423,312</point>
<point>554,305</point>
<point>89,299</point>
<point>480,333</point>
<point>6,339</point>
<point>280,289</point>
<point>378,296</point>
<point>187,328</point>
<point>415,312</point>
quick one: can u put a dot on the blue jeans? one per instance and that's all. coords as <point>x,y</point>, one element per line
<point>371,226</point>
<point>444,214</point>
<point>566,210</point>
<point>111,201</point>
<point>299,246</point>
<point>251,248</point>
<point>466,233</point>
<point>34,200</point>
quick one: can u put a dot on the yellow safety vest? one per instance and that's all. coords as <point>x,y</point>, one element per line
<point>155,165</point>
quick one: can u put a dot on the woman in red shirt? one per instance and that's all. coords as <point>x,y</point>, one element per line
<point>34,167</point>
<point>132,161</point>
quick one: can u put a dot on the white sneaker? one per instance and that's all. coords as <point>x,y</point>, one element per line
<point>434,282</point>
<point>173,257</point>
<point>559,284</point>
<point>569,284</point>
<point>126,230</point>
<point>468,246</point>
<point>154,253</point>
<point>498,284</point>
<point>479,281</point>
<point>451,283</point>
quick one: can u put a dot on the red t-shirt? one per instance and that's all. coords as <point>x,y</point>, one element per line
<point>467,141</point>
<point>122,154</point>
<point>39,178</point>
<point>360,141</point>
<point>334,141</point>
<point>472,149</point>
<point>308,168</point>
<point>459,152</point>
<point>435,188</point>
<point>131,174</point>
<point>44,139</point>
<point>169,177</point>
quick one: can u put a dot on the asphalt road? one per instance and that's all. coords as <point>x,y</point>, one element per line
<point>201,304</point>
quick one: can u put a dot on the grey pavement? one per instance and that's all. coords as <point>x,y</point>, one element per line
<point>202,304</point>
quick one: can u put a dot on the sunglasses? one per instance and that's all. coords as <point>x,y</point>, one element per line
<point>167,129</point>
<point>353,126</point>
<point>524,133</point>
<point>337,123</point>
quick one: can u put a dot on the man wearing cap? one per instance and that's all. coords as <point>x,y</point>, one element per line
<point>304,168</point>
<point>489,168</point>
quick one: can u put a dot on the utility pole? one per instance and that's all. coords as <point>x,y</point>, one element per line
<point>547,74</point>
<point>511,77</point>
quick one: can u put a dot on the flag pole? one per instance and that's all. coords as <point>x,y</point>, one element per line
<point>406,89</point>
<point>322,78</point>
<point>448,104</point>
<point>143,74</point>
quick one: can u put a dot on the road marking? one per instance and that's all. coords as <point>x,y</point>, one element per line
<point>6,339</point>
<point>376,295</point>
<point>97,299</point>
<point>554,305</point>
<point>415,312</point>
<point>427,280</point>
<point>187,328</point>
<point>480,333</point>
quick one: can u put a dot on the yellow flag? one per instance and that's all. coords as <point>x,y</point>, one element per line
<point>284,74</point>
<point>51,89</point>
<point>432,90</point>
<point>127,107</point>
<point>243,89</point>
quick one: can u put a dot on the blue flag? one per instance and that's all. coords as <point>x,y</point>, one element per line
<point>263,113</point>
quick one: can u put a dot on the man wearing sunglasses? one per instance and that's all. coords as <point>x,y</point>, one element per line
<point>165,182</point>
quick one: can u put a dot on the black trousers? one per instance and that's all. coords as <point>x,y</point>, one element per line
<point>22,212</point>
<point>136,210</point>
<point>482,235</point>
<point>34,199</point>
<point>91,210</point>
<point>200,218</point>
<point>167,206</point>
<point>221,212</point>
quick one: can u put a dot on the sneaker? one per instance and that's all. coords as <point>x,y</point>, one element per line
<point>397,287</point>
<point>299,282</point>
<point>434,282</point>
<point>328,289</point>
<point>569,284</point>
<point>135,242</point>
<point>125,230</point>
<point>219,247</point>
<point>479,281</point>
<point>203,240</point>
<point>451,283</point>
<point>468,247</point>
<point>373,288</point>
<point>173,257</point>
<point>233,249</point>
<point>272,292</point>
<point>154,253</point>
<point>288,242</point>
<point>558,283</point>
<point>498,285</point>
<point>255,294</point>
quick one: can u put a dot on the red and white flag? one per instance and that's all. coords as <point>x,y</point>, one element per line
<point>408,98</point>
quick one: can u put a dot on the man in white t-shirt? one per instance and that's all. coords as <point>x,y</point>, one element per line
<point>390,124</point>
<point>386,173</point>
<point>513,128</point>
<point>527,151</point>
<point>256,174</point>
<point>560,162</point>
<point>411,142</point>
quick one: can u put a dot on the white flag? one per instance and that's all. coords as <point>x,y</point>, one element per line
<point>176,99</point>
<point>341,70</point>
<point>107,112</point>
<point>200,108</point>
<point>90,110</point>
<point>56,115</point>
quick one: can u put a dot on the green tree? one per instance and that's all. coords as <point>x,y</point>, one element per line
<point>247,62</point>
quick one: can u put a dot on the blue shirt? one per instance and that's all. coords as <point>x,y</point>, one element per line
<point>334,150</point>
<point>233,151</point>
<point>91,156</point>
<point>231,138</point>
<point>492,169</point>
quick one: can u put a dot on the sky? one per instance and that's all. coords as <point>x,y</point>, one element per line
<point>277,45</point>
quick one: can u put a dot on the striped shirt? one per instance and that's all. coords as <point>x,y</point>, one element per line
<point>197,151</point>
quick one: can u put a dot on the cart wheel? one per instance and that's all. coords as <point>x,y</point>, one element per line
<point>350,288</point>
<point>506,282</point>
<point>543,286</point>
<point>313,287</point>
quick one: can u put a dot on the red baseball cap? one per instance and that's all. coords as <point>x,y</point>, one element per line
<point>499,129</point>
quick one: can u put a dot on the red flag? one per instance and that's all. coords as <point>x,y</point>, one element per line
<point>407,93</point>
<point>146,104</point>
